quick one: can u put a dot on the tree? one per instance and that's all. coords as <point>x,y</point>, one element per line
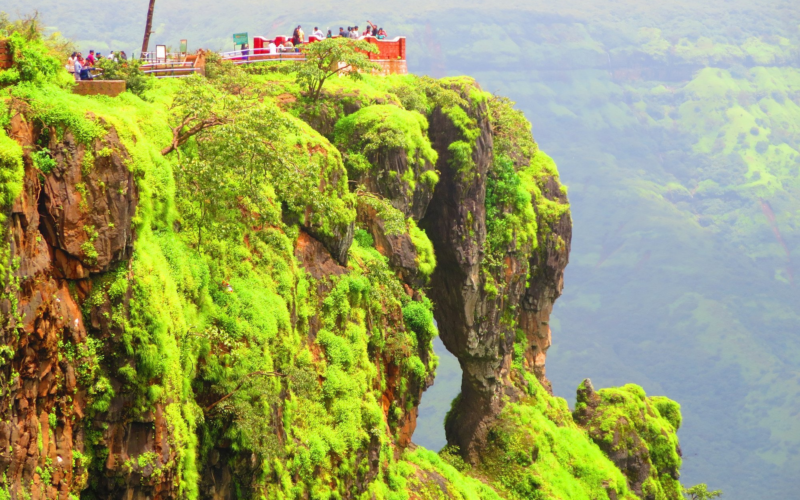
<point>204,103</point>
<point>223,175</point>
<point>333,56</point>
<point>700,492</point>
<point>148,26</point>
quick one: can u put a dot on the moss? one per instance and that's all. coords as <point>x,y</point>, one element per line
<point>418,317</point>
<point>426,258</point>
<point>307,381</point>
<point>43,161</point>
<point>536,451</point>
<point>11,170</point>
<point>668,409</point>
<point>626,419</point>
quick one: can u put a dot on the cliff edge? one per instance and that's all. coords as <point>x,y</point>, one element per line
<point>249,313</point>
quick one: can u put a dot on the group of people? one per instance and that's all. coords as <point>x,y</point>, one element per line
<point>371,30</point>
<point>299,37</point>
<point>81,68</point>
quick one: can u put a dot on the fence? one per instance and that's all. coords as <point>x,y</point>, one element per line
<point>391,56</point>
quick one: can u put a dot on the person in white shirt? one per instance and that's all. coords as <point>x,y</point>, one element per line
<point>271,49</point>
<point>317,33</point>
<point>71,63</point>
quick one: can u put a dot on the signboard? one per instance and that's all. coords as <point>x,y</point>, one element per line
<point>184,46</point>
<point>240,38</point>
<point>161,53</point>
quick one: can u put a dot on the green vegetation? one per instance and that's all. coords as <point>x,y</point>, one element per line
<point>135,80</point>
<point>381,129</point>
<point>306,386</point>
<point>426,258</point>
<point>700,492</point>
<point>626,419</point>
<point>330,57</point>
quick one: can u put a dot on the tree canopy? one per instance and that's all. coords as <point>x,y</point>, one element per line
<point>333,56</point>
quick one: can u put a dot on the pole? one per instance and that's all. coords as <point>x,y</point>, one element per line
<point>148,26</point>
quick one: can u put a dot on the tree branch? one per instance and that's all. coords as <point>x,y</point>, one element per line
<point>179,137</point>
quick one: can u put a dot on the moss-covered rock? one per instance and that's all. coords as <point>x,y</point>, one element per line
<point>248,315</point>
<point>632,430</point>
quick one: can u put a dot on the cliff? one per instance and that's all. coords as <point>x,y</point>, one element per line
<point>250,315</point>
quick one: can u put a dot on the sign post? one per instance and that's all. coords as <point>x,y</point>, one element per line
<point>161,53</point>
<point>184,47</point>
<point>239,39</point>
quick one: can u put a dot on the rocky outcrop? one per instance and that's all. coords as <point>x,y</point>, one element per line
<point>476,301</point>
<point>546,265</point>
<point>69,227</point>
<point>468,319</point>
<point>343,332</point>
<point>630,429</point>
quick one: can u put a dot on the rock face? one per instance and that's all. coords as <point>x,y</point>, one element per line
<point>637,433</point>
<point>65,227</point>
<point>546,281</point>
<point>477,323</point>
<point>288,351</point>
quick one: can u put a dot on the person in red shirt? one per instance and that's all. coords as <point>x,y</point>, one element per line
<point>90,58</point>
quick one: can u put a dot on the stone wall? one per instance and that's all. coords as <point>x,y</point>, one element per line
<point>111,88</point>
<point>393,67</point>
<point>6,58</point>
<point>388,49</point>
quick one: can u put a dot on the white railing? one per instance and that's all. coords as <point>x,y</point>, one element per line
<point>150,57</point>
<point>249,56</point>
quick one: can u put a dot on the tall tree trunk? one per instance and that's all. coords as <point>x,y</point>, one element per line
<point>148,26</point>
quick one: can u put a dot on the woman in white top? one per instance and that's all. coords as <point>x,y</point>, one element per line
<point>71,63</point>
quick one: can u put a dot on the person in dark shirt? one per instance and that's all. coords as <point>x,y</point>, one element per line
<point>342,33</point>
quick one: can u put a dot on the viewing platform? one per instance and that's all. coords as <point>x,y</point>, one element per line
<point>391,57</point>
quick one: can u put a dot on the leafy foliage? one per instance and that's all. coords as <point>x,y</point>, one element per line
<point>135,80</point>
<point>330,57</point>
<point>700,492</point>
<point>308,383</point>
<point>380,129</point>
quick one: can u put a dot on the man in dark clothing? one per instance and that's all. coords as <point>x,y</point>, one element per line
<point>341,32</point>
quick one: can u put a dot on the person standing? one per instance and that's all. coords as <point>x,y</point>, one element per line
<point>71,63</point>
<point>90,58</point>
<point>317,33</point>
<point>341,31</point>
<point>77,67</point>
<point>354,33</point>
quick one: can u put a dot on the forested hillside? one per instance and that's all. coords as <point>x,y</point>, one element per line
<point>675,126</point>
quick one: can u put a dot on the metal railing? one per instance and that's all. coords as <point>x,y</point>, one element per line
<point>249,56</point>
<point>175,64</point>
<point>150,57</point>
